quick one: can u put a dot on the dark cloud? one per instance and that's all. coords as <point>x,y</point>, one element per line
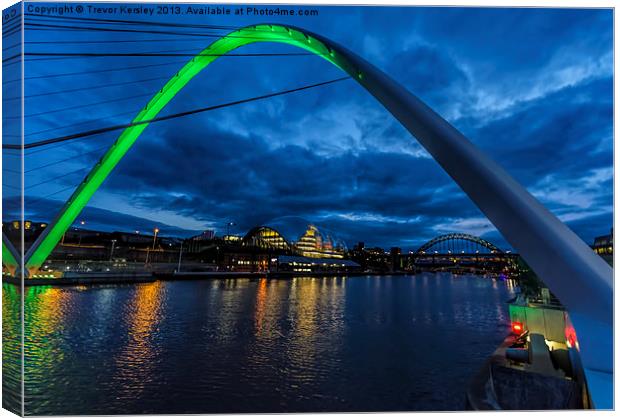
<point>429,73</point>
<point>532,87</point>
<point>565,133</point>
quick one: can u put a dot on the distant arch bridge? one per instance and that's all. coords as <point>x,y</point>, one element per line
<point>458,243</point>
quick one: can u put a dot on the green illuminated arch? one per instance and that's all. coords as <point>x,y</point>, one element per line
<point>80,197</point>
<point>9,255</point>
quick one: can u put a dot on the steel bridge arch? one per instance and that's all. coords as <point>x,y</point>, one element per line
<point>459,236</point>
<point>579,277</point>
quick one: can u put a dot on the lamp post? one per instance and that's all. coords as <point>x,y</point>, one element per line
<point>156,230</point>
<point>112,250</point>
<point>82,223</point>
<point>180,254</point>
<point>228,225</point>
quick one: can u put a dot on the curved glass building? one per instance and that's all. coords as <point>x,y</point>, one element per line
<point>297,235</point>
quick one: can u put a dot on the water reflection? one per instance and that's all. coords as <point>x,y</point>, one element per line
<point>261,299</point>
<point>270,295</point>
<point>135,363</point>
<point>48,317</point>
<point>11,348</point>
<point>253,345</point>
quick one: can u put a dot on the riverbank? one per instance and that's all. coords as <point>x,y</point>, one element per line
<point>86,279</point>
<point>96,278</point>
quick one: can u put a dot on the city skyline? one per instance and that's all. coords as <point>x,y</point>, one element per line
<point>332,155</point>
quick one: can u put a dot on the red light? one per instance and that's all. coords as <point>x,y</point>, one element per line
<point>569,332</point>
<point>517,327</point>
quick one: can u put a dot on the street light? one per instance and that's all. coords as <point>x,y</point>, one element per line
<point>156,230</point>
<point>180,253</point>
<point>82,223</point>
<point>80,241</point>
<point>112,250</point>
<point>228,225</point>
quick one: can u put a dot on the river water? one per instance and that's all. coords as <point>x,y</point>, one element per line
<point>252,345</point>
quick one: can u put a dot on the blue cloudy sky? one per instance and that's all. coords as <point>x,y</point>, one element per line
<point>531,87</point>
